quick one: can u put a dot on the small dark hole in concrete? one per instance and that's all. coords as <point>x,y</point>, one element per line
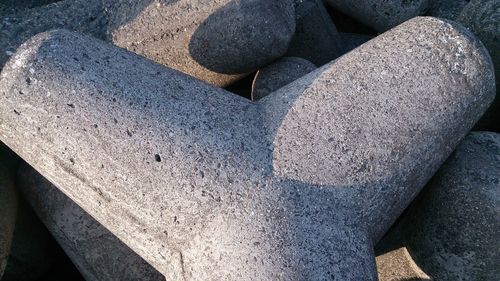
<point>71,105</point>
<point>157,157</point>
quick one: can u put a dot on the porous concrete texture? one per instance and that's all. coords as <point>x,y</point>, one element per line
<point>216,41</point>
<point>381,15</point>
<point>316,38</point>
<point>278,74</point>
<point>206,185</point>
<point>32,249</point>
<point>483,18</point>
<point>452,229</point>
<point>8,204</point>
<point>351,41</point>
<point>447,9</point>
<point>95,251</point>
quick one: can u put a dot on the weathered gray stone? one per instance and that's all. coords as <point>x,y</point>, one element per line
<point>448,9</point>
<point>351,41</point>
<point>96,252</point>
<point>8,206</point>
<point>381,15</point>
<point>483,18</point>
<point>452,229</point>
<point>216,41</point>
<point>279,74</point>
<point>32,250</point>
<point>206,185</point>
<point>316,38</point>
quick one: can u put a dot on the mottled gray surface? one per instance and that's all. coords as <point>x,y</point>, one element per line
<point>206,185</point>
<point>216,41</point>
<point>448,9</point>
<point>8,205</point>
<point>351,41</point>
<point>316,38</point>
<point>278,74</point>
<point>453,228</point>
<point>381,15</point>
<point>483,18</point>
<point>32,250</point>
<point>96,252</point>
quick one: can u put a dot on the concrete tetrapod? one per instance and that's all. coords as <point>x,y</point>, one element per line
<point>216,41</point>
<point>381,15</point>
<point>453,227</point>
<point>95,251</point>
<point>206,185</point>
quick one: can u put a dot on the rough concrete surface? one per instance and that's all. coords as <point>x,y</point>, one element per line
<point>206,185</point>
<point>381,15</point>
<point>483,18</point>
<point>351,41</point>
<point>316,38</point>
<point>279,74</point>
<point>452,229</point>
<point>215,41</point>
<point>96,252</point>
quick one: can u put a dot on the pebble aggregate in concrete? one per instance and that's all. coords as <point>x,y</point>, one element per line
<point>278,74</point>
<point>381,15</point>
<point>216,41</point>
<point>452,229</point>
<point>206,185</point>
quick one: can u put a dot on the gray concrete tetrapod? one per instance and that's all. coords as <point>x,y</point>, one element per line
<point>216,41</point>
<point>381,15</point>
<point>206,185</point>
<point>278,74</point>
<point>452,229</point>
<point>95,251</point>
<point>316,38</point>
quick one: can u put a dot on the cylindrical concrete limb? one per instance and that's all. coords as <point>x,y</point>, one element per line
<point>206,185</point>
<point>316,38</point>
<point>381,15</point>
<point>95,251</point>
<point>452,229</point>
<point>8,206</point>
<point>278,74</point>
<point>215,41</point>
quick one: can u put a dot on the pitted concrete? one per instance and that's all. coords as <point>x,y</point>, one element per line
<point>95,251</point>
<point>215,41</point>
<point>381,15</point>
<point>452,229</point>
<point>206,185</point>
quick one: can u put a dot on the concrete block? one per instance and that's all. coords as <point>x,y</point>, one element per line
<point>95,251</point>
<point>206,185</point>
<point>215,41</point>
<point>453,227</point>
<point>381,15</point>
<point>447,9</point>
<point>279,74</point>
<point>351,41</point>
<point>316,38</point>
<point>482,18</point>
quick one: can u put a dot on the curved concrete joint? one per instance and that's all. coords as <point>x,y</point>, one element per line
<point>206,185</point>
<point>381,15</point>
